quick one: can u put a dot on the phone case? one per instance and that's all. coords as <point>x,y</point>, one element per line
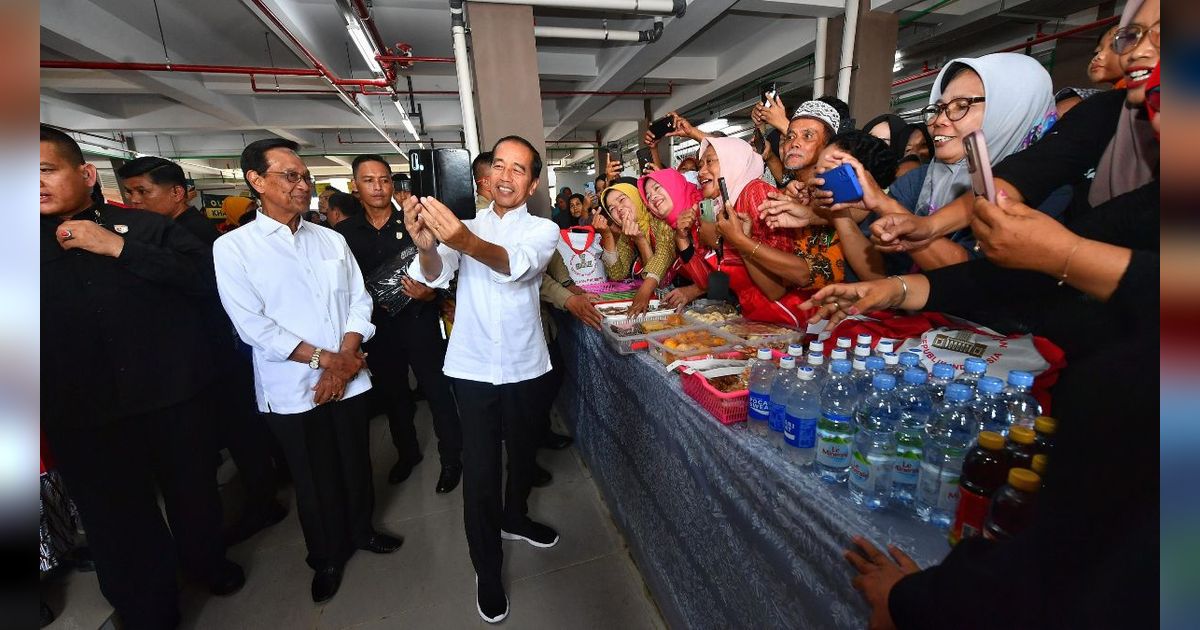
<point>843,183</point>
<point>979,164</point>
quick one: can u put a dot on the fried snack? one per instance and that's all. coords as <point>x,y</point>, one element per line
<point>730,383</point>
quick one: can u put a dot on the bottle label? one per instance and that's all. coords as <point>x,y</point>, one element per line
<point>938,488</point>
<point>760,406</point>
<point>800,432</point>
<point>969,517</point>
<point>778,416</point>
<point>906,468</point>
<point>833,443</point>
<point>862,476</point>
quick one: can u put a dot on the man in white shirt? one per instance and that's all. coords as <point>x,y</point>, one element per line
<point>296,296</point>
<point>497,354</point>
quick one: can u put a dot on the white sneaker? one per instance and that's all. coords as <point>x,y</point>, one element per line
<point>498,618</point>
<point>536,534</point>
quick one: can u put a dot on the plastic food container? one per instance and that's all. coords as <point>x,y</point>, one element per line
<point>615,311</point>
<point>711,312</point>
<point>662,348</point>
<point>624,343</point>
<point>727,408</point>
<point>755,332</point>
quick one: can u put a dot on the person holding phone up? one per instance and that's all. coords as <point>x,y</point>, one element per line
<point>643,245</point>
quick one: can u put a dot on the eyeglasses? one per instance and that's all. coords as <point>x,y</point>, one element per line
<point>1129,37</point>
<point>954,110</point>
<point>293,177</point>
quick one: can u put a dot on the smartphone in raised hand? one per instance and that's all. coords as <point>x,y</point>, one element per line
<point>661,127</point>
<point>614,153</point>
<point>769,91</point>
<point>980,165</point>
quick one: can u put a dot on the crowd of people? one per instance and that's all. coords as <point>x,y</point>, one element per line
<point>264,324</point>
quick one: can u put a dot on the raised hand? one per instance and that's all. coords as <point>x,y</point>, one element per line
<point>422,236</point>
<point>444,225</point>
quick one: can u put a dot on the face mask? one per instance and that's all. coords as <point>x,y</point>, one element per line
<point>693,177</point>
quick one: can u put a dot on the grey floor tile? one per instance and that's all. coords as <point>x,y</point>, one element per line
<point>603,593</point>
<point>276,594</point>
<point>75,597</point>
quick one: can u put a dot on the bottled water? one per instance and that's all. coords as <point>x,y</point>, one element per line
<point>885,346</point>
<point>941,376</point>
<point>835,429</point>
<point>816,361</point>
<point>762,374</point>
<point>891,365</point>
<point>989,406</point>
<point>874,443</point>
<point>836,354</point>
<point>781,389</point>
<point>865,380</point>
<point>915,408</point>
<point>796,350</point>
<point>973,369</point>
<point>800,424</point>
<point>1023,407</point>
<point>947,439</point>
<point>844,342</point>
<point>863,339</point>
<point>861,352</point>
<point>909,360</point>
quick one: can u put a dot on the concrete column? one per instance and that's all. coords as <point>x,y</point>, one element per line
<point>508,93</point>
<point>874,56</point>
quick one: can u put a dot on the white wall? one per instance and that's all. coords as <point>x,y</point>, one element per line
<point>575,180</point>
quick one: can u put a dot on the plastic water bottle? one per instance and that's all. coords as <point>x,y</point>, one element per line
<point>874,443</point>
<point>863,339</point>
<point>941,376</point>
<point>861,352</point>
<point>796,350</point>
<point>865,380</point>
<point>947,439</point>
<point>885,346</point>
<point>1023,407</point>
<point>990,407</point>
<point>915,409</point>
<point>781,390</point>
<point>835,429</point>
<point>844,342</point>
<point>891,365</point>
<point>909,360</point>
<point>762,374</point>
<point>816,361</point>
<point>974,369</point>
<point>835,355</point>
<point>800,424</point>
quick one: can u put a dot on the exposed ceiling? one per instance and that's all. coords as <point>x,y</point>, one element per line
<point>706,60</point>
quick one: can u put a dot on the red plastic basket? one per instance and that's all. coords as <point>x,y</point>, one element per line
<point>728,408</point>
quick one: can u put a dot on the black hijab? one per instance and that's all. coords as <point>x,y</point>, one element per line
<point>897,129</point>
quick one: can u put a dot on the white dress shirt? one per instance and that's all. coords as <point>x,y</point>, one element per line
<point>280,289</point>
<point>497,336</point>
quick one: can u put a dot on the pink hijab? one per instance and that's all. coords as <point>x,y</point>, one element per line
<point>740,165</point>
<point>683,193</point>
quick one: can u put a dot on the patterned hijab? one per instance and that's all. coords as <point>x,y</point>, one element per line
<point>1019,109</point>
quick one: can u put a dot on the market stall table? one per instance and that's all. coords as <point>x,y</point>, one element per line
<point>726,532</point>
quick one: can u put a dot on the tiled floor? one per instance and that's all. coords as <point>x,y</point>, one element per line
<point>586,581</point>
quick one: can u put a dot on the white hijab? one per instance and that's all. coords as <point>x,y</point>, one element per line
<point>1019,109</point>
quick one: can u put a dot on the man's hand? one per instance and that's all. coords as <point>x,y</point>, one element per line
<point>798,190</point>
<point>416,290</point>
<point>89,236</point>
<point>581,307</point>
<point>877,574</point>
<point>330,386</point>
<point>894,233</point>
<point>345,365</point>
<point>837,301</point>
<point>784,211</point>
<point>682,296</point>
<point>775,115</point>
<point>1012,234</point>
<point>446,227</point>
<point>422,236</point>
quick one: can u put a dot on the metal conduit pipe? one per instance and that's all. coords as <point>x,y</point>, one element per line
<point>673,7</point>
<point>819,57</point>
<point>649,35</point>
<point>462,67</point>
<point>846,65</point>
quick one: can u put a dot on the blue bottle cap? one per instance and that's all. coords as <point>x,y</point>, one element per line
<point>1020,378</point>
<point>909,359</point>
<point>974,365</point>
<point>991,385</point>
<point>840,366</point>
<point>875,363</point>
<point>884,382</point>
<point>943,370</point>
<point>787,362</point>
<point>915,376</point>
<point>958,392</point>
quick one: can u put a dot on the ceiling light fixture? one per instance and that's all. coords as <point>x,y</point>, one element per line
<point>408,125</point>
<point>713,125</point>
<point>359,37</point>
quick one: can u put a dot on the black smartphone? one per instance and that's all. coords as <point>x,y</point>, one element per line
<point>661,127</point>
<point>614,152</point>
<point>757,142</point>
<point>644,157</point>
<point>724,194</point>
<point>769,90</point>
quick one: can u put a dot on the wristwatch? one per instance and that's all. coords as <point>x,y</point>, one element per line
<point>315,361</point>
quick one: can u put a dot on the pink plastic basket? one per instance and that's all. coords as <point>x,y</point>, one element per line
<point>728,408</point>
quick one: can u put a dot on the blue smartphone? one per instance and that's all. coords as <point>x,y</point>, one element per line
<point>843,183</point>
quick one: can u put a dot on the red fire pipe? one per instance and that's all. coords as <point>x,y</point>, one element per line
<point>364,15</point>
<point>1015,47</point>
<point>386,59</point>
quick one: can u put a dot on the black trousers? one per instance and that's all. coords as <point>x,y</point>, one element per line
<point>111,471</point>
<point>488,412</point>
<point>414,340</point>
<point>242,429</point>
<point>327,452</point>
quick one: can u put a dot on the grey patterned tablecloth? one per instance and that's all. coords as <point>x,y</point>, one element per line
<point>726,533</point>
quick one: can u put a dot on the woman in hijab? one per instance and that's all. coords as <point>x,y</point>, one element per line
<point>1009,97</point>
<point>234,208</point>
<point>669,195</point>
<point>891,129</point>
<point>638,244</point>
<point>916,151</point>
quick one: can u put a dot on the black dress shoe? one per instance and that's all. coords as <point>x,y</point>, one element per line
<point>449,478</point>
<point>556,441</point>
<point>383,543</point>
<point>403,469</point>
<point>247,527</point>
<point>325,584</point>
<point>230,580</point>
<point>47,615</point>
<point>541,477</point>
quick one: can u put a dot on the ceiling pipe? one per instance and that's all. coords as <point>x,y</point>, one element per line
<point>672,7</point>
<point>363,13</point>
<point>649,35</point>
<point>456,143</point>
<point>846,65</point>
<point>403,59</point>
<point>819,57</point>
<point>462,68</point>
<point>250,71</point>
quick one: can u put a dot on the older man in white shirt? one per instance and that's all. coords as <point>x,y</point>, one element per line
<point>497,352</point>
<point>295,294</point>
